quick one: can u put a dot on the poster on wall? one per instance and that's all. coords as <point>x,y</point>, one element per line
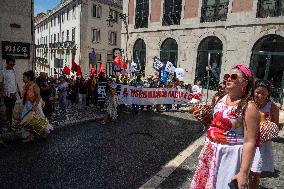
<point>16,50</point>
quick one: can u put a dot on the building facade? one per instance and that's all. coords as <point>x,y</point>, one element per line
<point>16,40</point>
<point>195,34</point>
<point>79,29</point>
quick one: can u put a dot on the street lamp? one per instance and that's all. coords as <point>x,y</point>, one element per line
<point>123,17</point>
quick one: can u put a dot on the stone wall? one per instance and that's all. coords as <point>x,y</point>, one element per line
<point>16,12</point>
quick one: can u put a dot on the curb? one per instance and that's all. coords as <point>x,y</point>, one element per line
<point>13,135</point>
<point>172,165</point>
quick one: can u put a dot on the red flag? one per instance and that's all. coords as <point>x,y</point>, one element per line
<point>66,70</point>
<point>74,65</point>
<point>119,62</point>
<point>92,70</point>
<point>102,69</point>
<point>79,71</point>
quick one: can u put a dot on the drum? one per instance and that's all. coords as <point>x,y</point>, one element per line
<point>34,123</point>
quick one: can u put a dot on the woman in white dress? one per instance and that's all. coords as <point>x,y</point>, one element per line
<point>263,159</point>
<point>230,143</point>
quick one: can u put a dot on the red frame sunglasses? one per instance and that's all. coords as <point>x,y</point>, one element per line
<point>232,76</point>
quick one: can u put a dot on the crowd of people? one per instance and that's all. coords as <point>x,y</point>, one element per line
<point>233,153</point>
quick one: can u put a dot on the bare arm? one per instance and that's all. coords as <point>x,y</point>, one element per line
<point>251,128</point>
<point>275,115</point>
<point>37,94</point>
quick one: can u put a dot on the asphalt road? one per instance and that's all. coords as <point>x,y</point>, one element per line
<point>123,154</point>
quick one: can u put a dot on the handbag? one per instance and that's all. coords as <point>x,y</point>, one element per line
<point>268,131</point>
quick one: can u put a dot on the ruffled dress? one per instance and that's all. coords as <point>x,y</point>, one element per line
<point>221,157</point>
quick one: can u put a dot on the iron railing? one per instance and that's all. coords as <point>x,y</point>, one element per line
<point>213,13</point>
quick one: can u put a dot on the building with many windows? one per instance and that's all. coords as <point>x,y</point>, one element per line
<point>195,34</point>
<point>77,28</point>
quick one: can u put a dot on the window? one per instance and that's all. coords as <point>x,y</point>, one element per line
<point>67,35</point>
<point>214,10</point>
<point>98,61</point>
<point>63,16</point>
<point>97,11</point>
<point>54,38</point>
<point>58,18</point>
<point>74,12</point>
<point>62,36</point>
<point>54,21</point>
<point>51,22</point>
<point>270,8</point>
<point>38,41</point>
<point>169,51</point>
<point>37,29</point>
<point>73,34</point>
<point>112,38</point>
<point>96,36</point>
<point>113,13</point>
<point>67,14</point>
<point>109,70</point>
<point>142,13</point>
<point>172,12</point>
<point>58,36</point>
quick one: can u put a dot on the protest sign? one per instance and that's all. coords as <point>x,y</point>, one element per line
<point>157,64</point>
<point>102,91</point>
<point>180,73</point>
<point>170,68</point>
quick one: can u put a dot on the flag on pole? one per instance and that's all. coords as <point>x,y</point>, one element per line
<point>119,62</point>
<point>66,70</point>
<point>74,65</point>
<point>92,70</point>
<point>102,69</point>
<point>79,71</point>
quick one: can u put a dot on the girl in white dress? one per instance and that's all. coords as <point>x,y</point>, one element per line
<point>231,138</point>
<point>263,159</point>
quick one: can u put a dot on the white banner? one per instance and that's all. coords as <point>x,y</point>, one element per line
<point>151,96</point>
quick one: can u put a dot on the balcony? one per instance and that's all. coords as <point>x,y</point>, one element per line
<point>213,13</point>
<point>270,8</point>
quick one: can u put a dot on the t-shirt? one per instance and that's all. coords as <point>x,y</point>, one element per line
<point>8,78</point>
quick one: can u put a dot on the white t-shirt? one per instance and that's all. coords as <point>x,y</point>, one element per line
<point>8,78</point>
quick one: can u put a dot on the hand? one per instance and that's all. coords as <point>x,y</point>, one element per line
<point>242,180</point>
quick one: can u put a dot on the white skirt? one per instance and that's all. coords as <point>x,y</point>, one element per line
<point>263,159</point>
<point>218,164</point>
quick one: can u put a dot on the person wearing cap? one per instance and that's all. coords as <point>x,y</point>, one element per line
<point>9,89</point>
<point>231,138</point>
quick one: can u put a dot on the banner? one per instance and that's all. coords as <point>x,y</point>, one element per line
<point>149,96</point>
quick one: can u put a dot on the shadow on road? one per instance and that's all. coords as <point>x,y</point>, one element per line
<point>124,154</point>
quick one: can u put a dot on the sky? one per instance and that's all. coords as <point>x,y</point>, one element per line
<point>44,5</point>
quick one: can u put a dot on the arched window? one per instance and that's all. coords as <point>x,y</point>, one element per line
<point>172,12</point>
<point>141,13</point>
<point>209,61</point>
<point>139,55</point>
<point>169,51</point>
<point>267,62</point>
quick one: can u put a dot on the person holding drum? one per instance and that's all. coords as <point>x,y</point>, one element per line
<point>263,159</point>
<point>33,104</point>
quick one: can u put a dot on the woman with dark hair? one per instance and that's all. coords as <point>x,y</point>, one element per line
<point>231,138</point>
<point>263,159</point>
<point>32,102</point>
<point>110,102</point>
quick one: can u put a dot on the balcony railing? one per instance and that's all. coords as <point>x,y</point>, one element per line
<point>270,8</point>
<point>213,13</point>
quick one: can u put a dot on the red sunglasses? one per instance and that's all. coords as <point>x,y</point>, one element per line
<point>232,76</point>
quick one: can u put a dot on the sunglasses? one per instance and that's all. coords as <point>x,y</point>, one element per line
<point>232,76</point>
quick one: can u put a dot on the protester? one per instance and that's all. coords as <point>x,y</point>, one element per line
<point>62,88</point>
<point>32,102</point>
<point>9,88</point>
<point>110,103</point>
<point>230,143</point>
<point>263,159</point>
